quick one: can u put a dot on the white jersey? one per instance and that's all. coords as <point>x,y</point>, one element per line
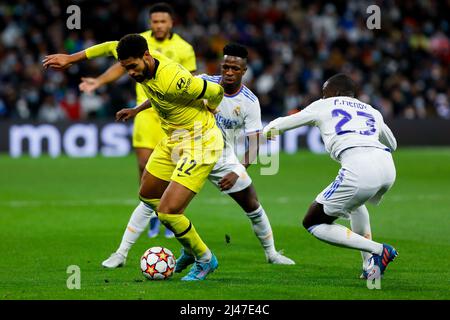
<point>239,114</point>
<point>344,122</point>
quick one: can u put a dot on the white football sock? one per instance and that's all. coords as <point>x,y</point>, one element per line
<point>137,223</point>
<point>206,257</point>
<point>360,223</point>
<point>339,235</point>
<point>263,230</point>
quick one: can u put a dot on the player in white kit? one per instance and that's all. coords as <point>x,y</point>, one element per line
<point>238,112</point>
<point>355,135</point>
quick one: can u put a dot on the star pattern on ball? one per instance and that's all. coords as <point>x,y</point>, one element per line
<point>150,270</point>
<point>167,273</point>
<point>163,256</point>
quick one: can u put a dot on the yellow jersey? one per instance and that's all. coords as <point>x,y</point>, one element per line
<point>177,97</point>
<point>175,48</point>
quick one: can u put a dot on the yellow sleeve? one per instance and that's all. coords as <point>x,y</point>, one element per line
<point>191,87</point>
<point>213,92</point>
<point>189,61</point>
<point>102,49</point>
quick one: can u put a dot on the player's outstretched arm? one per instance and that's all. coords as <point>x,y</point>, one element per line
<point>62,61</point>
<point>113,73</point>
<point>279,125</point>
<point>128,113</point>
<point>302,118</point>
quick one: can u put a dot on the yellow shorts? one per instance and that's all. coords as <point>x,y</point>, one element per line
<point>147,132</point>
<point>188,162</point>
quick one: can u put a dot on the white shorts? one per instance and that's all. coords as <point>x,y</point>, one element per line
<point>226,165</point>
<point>366,174</point>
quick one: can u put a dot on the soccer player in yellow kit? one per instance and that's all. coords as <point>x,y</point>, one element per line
<point>182,161</point>
<point>147,132</point>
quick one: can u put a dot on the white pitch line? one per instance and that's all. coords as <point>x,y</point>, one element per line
<point>118,202</point>
<point>67,203</point>
<point>427,197</point>
<point>223,200</point>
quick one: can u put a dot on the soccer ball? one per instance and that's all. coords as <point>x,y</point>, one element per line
<point>158,263</point>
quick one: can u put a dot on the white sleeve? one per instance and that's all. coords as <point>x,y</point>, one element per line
<point>252,118</point>
<point>387,137</point>
<point>305,117</point>
<point>207,77</point>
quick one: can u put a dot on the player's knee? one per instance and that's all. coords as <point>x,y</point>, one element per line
<point>170,208</point>
<point>144,195</point>
<point>251,205</point>
<point>247,199</point>
<point>309,223</point>
<point>316,215</point>
<point>310,219</point>
<point>306,222</point>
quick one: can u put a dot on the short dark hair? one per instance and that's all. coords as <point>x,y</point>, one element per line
<point>161,7</point>
<point>131,46</point>
<point>235,50</point>
<point>342,85</point>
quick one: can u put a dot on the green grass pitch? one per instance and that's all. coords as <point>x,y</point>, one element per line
<point>60,212</point>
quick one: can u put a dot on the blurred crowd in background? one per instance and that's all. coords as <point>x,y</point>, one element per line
<point>294,46</point>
